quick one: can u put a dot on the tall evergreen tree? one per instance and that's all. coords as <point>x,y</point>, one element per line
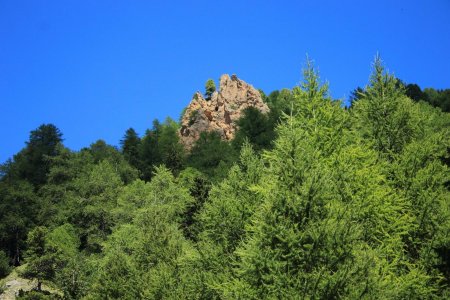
<point>32,162</point>
<point>130,147</point>
<point>322,232</point>
<point>169,146</point>
<point>383,114</point>
<point>95,201</point>
<point>212,156</point>
<point>18,209</point>
<point>257,128</point>
<point>149,151</point>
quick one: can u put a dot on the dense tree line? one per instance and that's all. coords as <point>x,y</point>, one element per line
<point>435,97</point>
<point>311,201</point>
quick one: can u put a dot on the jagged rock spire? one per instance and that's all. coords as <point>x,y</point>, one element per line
<point>221,112</point>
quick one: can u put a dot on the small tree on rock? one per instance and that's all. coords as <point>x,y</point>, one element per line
<point>210,88</point>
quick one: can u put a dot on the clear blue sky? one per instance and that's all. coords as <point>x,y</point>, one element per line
<point>96,68</point>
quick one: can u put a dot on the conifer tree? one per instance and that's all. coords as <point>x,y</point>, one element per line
<point>18,210</point>
<point>384,115</point>
<point>130,147</point>
<point>210,88</point>
<point>232,202</point>
<point>257,128</point>
<point>95,201</point>
<point>169,146</point>
<point>212,156</point>
<point>149,151</point>
<point>224,217</point>
<point>116,278</point>
<point>4,264</point>
<point>322,231</point>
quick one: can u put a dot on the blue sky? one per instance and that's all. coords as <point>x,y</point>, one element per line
<point>96,68</point>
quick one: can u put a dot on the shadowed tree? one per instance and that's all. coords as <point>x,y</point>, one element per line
<point>355,95</point>
<point>211,155</point>
<point>18,209</point>
<point>255,127</point>
<point>32,162</point>
<point>149,151</point>
<point>130,147</point>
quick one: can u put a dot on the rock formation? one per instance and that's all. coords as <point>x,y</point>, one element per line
<point>221,112</point>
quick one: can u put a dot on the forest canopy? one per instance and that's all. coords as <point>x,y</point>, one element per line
<point>313,200</point>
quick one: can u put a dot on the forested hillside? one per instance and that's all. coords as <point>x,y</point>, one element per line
<point>311,200</point>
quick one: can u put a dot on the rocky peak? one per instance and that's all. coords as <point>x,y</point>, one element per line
<point>221,112</point>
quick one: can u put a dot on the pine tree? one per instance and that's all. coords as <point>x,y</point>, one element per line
<point>210,88</point>
<point>255,127</point>
<point>32,162</point>
<point>130,147</point>
<point>18,210</point>
<point>384,115</point>
<point>41,262</point>
<point>329,226</point>
<point>212,156</point>
<point>4,264</point>
<point>95,201</point>
<point>149,151</point>
<point>169,146</point>
<point>116,278</point>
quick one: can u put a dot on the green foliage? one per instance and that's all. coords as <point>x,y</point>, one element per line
<point>414,92</point>
<point>193,117</point>
<point>49,252</point>
<point>171,150</point>
<point>143,256</point>
<point>436,98</point>
<point>211,156</point>
<point>130,147</point>
<point>280,102</point>
<point>96,199</point>
<point>161,145</point>
<point>18,209</point>
<point>210,88</point>
<point>4,264</point>
<point>384,115</point>
<point>199,188</point>
<point>232,202</point>
<point>182,113</point>
<point>75,278</point>
<point>101,151</point>
<point>31,162</point>
<point>131,197</point>
<point>116,278</point>
<point>41,264</point>
<point>324,202</point>
<point>149,152</point>
<point>322,230</point>
<point>255,127</point>
<point>64,240</point>
<point>59,195</point>
<point>355,95</point>
<point>263,95</point>
<point>301,238</point>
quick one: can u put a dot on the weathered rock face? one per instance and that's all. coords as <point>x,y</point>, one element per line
<point>221,112</point>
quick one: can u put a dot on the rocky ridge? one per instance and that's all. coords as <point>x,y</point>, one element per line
<point>221,112</point>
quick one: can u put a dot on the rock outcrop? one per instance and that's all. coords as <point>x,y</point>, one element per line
<point>221,112</point>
